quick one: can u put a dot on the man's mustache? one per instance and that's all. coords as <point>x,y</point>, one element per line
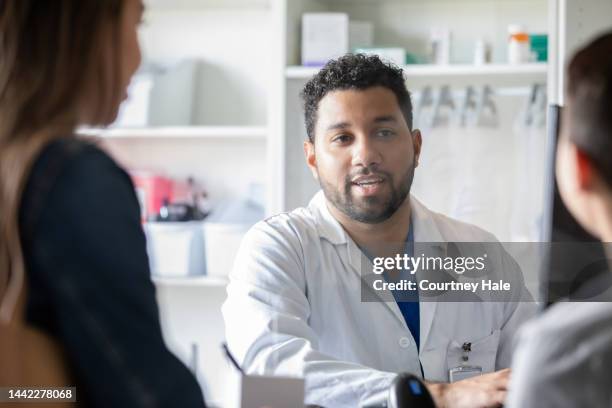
<point>368,171</point>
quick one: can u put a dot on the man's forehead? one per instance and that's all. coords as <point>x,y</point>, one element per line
<point>379,93</point>
<point>374,103</point>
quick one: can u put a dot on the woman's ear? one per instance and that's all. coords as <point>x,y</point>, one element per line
<point>584,169</point>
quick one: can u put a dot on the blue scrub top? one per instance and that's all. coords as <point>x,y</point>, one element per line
<point>410,309</point>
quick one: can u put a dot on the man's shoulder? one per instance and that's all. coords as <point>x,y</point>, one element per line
<point>454,230</point>
<point>298,224</point>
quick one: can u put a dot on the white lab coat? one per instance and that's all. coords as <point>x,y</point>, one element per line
<point>294,308</point>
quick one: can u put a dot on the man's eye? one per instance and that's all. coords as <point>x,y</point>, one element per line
<point>341,139</point>
<point>385,133</point>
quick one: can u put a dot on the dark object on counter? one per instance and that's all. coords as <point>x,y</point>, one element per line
<point>408,391</point>
<point>178,212</point>
<point>89,283</point>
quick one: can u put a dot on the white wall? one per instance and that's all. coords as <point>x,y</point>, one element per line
<point>232,47</point>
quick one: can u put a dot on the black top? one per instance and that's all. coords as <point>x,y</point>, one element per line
<point>89,281</point>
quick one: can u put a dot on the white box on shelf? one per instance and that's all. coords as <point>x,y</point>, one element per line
<point>440,45</point>
<point>222,241</point>
<point>395,55</point>
<point>159,95</point>
<point>324,36</point>
<point>176,249</point>
<point>361,34</point>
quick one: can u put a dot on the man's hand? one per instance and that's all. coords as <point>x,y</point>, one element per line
<point>484,391</point>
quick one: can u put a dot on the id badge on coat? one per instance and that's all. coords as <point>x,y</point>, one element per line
<point>464,370</point>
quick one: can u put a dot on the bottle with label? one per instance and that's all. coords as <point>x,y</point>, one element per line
<point>482,52</point>
<point>439,46</point>
<point>519,50</point>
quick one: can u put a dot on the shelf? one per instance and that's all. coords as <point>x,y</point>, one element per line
<point>450,71</point>
<point>179,132</point>
<point>378,2</point>
<point>200,4</point>
<point>191,281</point>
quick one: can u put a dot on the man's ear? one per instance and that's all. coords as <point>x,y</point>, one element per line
<point>584,169</point>
<point>311,158</point>
<point>417,142</point>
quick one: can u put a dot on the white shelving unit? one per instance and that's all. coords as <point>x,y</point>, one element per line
<point>225,147</point>
<point>418,75</point>
<point>181,132</point>
<point>491,71</point>
<point>229,112</point>
<point>199,4</point>
<point>192,281</point>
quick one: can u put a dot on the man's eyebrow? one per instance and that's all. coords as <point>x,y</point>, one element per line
<point>388,118</point>
<point>339,125</point>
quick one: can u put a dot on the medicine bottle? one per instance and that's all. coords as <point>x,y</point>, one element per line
<point>518,46</point>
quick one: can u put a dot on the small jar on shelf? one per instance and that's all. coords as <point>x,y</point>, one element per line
<point>519,50</point>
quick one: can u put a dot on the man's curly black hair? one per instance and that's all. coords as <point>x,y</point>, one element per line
<point>354,71</point>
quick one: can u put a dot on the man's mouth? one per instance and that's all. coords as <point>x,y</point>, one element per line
<point>368,185</point>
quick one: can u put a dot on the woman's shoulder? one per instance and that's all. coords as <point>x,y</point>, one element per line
<point>79,162</point>
<point>557,333</point>
<point>71,176</point>
<point>71,154</point>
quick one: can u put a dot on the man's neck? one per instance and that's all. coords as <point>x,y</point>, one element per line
<point>392,230</point>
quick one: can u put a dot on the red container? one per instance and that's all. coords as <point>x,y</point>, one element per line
<point>152,189</point>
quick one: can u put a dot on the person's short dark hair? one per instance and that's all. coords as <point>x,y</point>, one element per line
<point>589,90</point>
<point>354,71</point>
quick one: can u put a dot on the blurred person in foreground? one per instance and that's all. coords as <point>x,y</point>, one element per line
<point>77,303</point>
<point>564,356</point>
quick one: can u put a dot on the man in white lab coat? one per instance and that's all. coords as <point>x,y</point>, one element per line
<point>295,304</point>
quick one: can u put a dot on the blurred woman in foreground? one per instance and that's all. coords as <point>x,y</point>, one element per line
<point>563,357</point>
<point>77,303</point>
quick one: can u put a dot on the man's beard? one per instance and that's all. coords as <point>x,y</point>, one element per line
<point>371,210</point>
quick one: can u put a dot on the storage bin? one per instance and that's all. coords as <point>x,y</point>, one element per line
<point>176,249</point>
<point>222,241</point>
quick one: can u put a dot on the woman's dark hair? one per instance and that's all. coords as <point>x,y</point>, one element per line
<point>354,71</point>
<point>589,91</point>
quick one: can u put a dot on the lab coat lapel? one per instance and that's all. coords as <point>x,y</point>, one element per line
<point>385,297</point>
<point>427,233</point>
<point>330,229</point>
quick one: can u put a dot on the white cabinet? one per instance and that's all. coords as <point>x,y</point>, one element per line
<point>225,146</point>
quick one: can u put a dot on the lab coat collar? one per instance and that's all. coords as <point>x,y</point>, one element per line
<point>328,227</point>
<point>425,230</point>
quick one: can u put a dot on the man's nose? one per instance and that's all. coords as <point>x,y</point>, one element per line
<point>365,153</point>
